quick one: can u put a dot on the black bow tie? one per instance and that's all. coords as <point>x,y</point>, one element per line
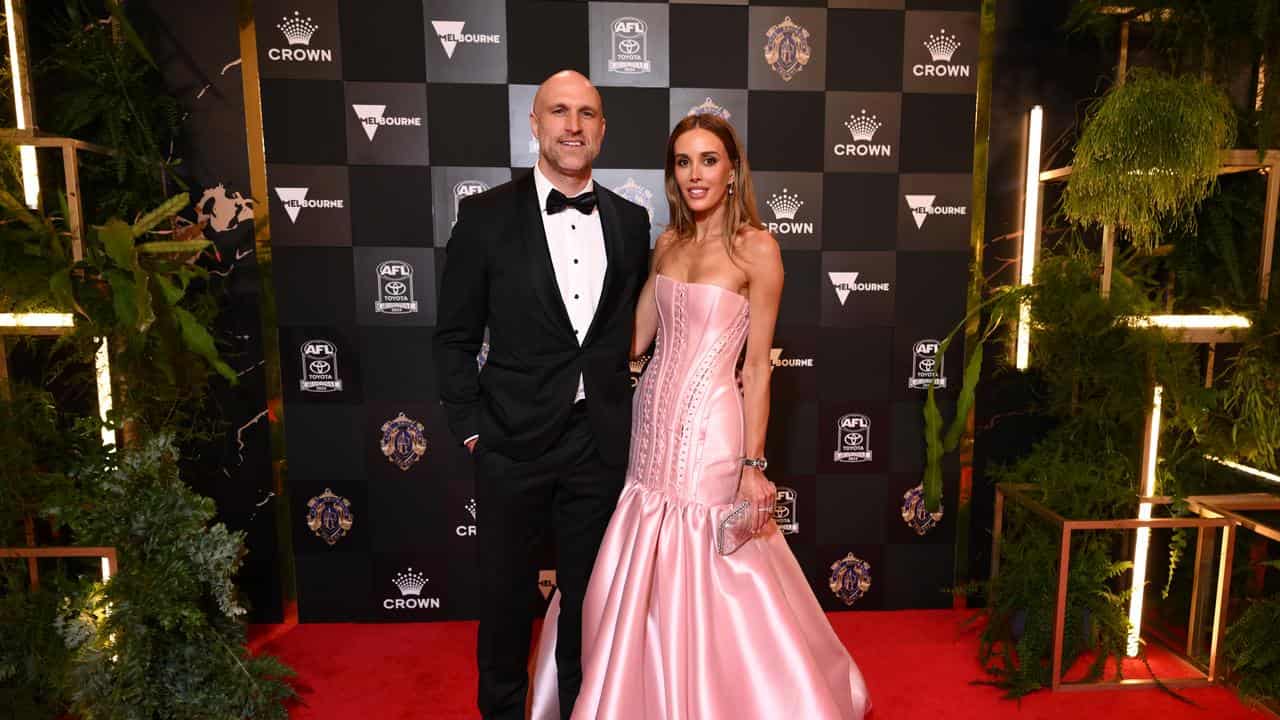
<point>583,203</point>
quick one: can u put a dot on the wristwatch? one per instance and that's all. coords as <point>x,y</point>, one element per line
<point>757,463</point>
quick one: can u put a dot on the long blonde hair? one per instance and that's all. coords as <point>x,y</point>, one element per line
<point>741,209</point>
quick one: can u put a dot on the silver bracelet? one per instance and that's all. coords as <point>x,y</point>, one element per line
<point>757,463</point>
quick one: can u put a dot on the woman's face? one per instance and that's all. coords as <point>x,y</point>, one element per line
<point>702,169</point>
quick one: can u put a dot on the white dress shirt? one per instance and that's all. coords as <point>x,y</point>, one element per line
<point>576,243</point>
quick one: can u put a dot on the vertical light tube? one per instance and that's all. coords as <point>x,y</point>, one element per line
<point>102,366</point>
<point>26,153</point>
<point>1142,543</point>
<point>1030,233</point>
<point>106,569</point>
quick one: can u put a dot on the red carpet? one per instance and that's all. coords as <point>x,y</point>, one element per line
<point>918,665</point>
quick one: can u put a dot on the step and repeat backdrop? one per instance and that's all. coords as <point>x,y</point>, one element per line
<point>379,116</point>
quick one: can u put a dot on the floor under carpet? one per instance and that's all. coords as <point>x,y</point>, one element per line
<point>918,665</point>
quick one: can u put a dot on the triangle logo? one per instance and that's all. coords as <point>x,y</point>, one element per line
<point>292,199</point>
<point>920,205</point>
<point>449,31</point>
<point>843,283</point>
<point>369,116</point>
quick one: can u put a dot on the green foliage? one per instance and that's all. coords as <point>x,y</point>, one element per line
<point>34,660</point>
<point>1214,264</point>
<point>1148,154</point>
<point>102,84</point>
<point>163,638</point>
<point>1025,593</point>
<point>1224,39</point>
<point>149,297</point>
<point>1252,649</point>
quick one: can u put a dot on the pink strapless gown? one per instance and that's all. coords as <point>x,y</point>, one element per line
<point>672,630</point>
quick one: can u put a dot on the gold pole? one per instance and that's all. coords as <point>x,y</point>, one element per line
<point>1060,612</point>
<point>254,136</point>
<point>1269,218</point>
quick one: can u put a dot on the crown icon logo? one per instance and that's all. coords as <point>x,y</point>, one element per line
<point>784,206</point>
<point>863,127</point>
<point>298,30</point>
<point>942,46</point>
<point>410,582</point>
<point>471,508</point>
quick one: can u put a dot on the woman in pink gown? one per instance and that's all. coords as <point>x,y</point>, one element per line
<point>672,628</point>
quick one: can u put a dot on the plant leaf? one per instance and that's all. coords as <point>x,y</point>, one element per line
<point>170,292</point>
<point>198,339</point>
<point>130,34</point>
<point>173,246</point>
<point>117,238</point>
<point>164,211</point>
<point>20,211</point>
<point>123,297</point>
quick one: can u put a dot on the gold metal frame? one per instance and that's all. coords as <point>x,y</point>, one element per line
<point>71,173</point>
<point>35,553</point>
<point>1231,161</point>
<point>1018,494</point>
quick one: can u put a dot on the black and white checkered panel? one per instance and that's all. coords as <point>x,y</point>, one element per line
<point>379,115</point>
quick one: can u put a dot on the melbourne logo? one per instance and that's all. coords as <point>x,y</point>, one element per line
<point>853,439</point>
<point>395,288</point>
<point>926,366</point>
<point>847,282</point>
<point>320,367</point>
<point>329,516</point>
<point>468,528</point>
<point>373,117</point>
<point>451,35</point>
<point>295,199</point>
<point>410,584</point>
<point>850,578</point>
<point>862,130</point>
<point>546,582</point>
<point>710,107</point>
<point>777,360</point>
<point>784,511</point>
<point>629,46</point>
<point>464,189</point>
<point>922,207</point>
<point>784,207</point>
<point>403,441</point>
<point>638,194</point>
<point>941,48</point>
<point>297,32</point>
<point>787,48</point>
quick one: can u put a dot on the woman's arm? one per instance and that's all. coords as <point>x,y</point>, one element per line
<point>646,308</point>
<point>761,259</point>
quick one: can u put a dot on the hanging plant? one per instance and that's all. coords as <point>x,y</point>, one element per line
<point>1149,154</point>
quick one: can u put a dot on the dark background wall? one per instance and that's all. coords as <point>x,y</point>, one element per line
<point>345,196</point>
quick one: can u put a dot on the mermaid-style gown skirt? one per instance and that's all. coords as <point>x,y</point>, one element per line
<point>672,630</point>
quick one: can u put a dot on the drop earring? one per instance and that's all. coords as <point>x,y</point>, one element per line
<point>730,189</point>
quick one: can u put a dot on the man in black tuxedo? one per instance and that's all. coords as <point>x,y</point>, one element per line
<point>551,264</point>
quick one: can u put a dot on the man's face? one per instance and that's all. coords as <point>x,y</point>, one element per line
<point>569,124</point>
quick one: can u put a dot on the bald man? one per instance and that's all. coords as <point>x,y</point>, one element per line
<point>551,264</point>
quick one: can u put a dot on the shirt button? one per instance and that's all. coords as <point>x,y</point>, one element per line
<point>573,227</point>
<point>575,296</point>
<point>575,261</point>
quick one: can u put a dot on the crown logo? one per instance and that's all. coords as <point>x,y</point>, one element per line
<point>471,508</point>
<point>942,46</point>
<point>863,127</point>
<point>298,30</point>
<point>784,206</point>
<point>410,582</point>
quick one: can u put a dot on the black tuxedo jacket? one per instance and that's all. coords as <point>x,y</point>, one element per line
<point>498,275</point>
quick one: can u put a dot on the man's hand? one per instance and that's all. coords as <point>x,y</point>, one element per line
<point>471,445</point>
